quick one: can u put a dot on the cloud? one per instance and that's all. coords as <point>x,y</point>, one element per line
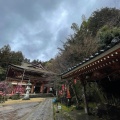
<point>37,27</point>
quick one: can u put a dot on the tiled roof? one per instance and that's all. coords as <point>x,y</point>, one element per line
<point>29,68</point>
<point>114,44</point>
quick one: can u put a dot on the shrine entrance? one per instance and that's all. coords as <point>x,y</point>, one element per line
<point>45,90</point>
<point>37,89</point>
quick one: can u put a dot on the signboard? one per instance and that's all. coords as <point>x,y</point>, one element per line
<point>59,107</point>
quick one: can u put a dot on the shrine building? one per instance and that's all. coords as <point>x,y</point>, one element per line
<point>41,80</point>
<point>102,67</point>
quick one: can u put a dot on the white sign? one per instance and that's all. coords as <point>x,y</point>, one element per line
<point>59,107</point>
<point>50,89</point>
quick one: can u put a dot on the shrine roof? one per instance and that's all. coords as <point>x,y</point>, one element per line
<point>31,68</point>
<point>90,63</point>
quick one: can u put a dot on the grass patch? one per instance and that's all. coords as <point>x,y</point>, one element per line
<point>66,108</point>
<point>92,105</point>
<point>61,113</point>
<point>54,115</point>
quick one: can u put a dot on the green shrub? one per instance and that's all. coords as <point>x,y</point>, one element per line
<point>5,98</point>
<point>16,96</point>
<point>2,99</point>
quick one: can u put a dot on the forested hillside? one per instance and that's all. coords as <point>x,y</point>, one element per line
<point>93,34</point>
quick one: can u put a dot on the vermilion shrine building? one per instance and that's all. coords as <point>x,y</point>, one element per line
<point>41,80</point>
<point>104,67</point>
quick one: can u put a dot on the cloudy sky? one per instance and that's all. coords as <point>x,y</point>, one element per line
<point>39,27</point>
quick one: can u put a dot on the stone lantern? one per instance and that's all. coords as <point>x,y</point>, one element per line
<point>26,97</point>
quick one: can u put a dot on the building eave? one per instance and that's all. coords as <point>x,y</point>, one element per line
<point>97,57</point>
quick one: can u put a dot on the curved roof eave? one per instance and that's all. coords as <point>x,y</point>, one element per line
<point>96,57</point>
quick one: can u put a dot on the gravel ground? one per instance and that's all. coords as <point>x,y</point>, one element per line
<point>28,111</point>
<point>43,112</point>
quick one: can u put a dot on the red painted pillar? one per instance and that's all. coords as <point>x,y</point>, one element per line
<point>32,89</point>
<point>48,89</point>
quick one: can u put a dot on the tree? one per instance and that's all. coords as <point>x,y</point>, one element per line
<point>106,34</point>
<point>105,16</point>
<point>26,60</point>
<point>16,57</point>
<point>4,55</point>
<point>36,61</point>
<point>7,56</point>
<point>87,38</point>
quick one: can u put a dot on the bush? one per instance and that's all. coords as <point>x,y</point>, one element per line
<point>73,100</point>
<point>3,98</point>
<point>79,107</point>
<point>16,96</point>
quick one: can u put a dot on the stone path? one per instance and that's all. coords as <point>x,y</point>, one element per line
<point>43,112</point>
<point>28,111</point>
<point>16,111</point>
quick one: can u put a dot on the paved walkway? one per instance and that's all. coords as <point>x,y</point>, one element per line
<point>28,111</point>
<point>43,112</point>
<point>39,110</point>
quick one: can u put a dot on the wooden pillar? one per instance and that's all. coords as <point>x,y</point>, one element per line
<point>32,89</point>
<point>75,94</point>
<point>23,75</point>
<point>48,89</point>
<point>7,72</point>
<point>84,97</point>
<point>12,92</point>
<point>41,88</point>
